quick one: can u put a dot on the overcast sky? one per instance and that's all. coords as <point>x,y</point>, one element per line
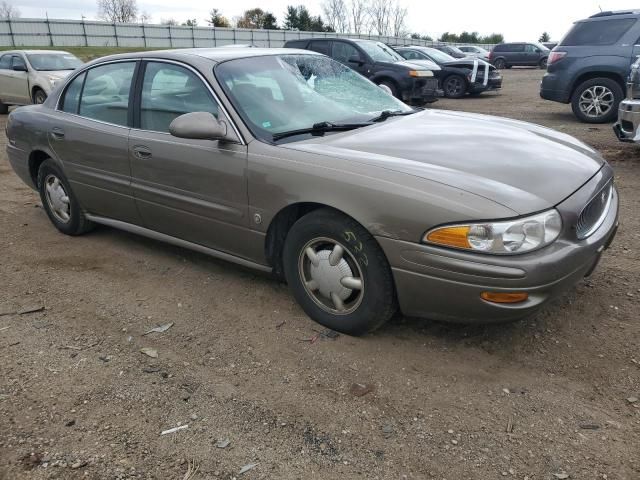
<point>518,20</point>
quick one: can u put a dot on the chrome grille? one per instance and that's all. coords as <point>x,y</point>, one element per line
<point>593,215</point>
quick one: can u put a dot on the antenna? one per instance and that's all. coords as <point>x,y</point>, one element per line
<point>600,8</point>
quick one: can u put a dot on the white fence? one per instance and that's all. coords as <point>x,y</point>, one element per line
<point>38,32</point>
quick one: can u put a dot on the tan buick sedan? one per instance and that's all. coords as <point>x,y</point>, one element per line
<point>289,162</point>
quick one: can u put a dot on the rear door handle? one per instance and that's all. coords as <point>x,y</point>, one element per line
<point>57,133</point>
<point>142,152</point>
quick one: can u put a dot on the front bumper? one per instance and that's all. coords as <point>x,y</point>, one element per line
<point>422,90</point>
<point>444,284</point>
<point>626,128</point>
<point>494,83</point>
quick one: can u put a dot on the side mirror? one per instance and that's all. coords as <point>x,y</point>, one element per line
<point>19,68</point>
<point>198,126</point>
<point>355,59</point>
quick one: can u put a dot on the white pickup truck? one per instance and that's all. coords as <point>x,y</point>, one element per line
<point>28,76</point>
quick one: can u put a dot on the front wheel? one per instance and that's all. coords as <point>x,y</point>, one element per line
<point>543,64</point>
<point>389,87</point>
<point>338,273</point>
<point>39,96</point>
<point>597,100</point>
<point>454,86</point>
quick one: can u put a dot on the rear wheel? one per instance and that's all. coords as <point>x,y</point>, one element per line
<point>59,202</point>
<point>500,64</point>
<point>597,100</point>
<point>338,273</point>
<point>454,86</point>
<point>39,96</point>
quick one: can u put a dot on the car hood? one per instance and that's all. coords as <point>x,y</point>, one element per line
<point>412,64</point>
<point>468,63</point>
<point>58,74</point>
<point>524,167</point>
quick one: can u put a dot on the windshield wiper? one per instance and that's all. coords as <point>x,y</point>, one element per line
<point>391,113</point>
<point>319,129</point>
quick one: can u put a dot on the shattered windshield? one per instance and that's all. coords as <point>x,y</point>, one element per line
<point>281,93</point>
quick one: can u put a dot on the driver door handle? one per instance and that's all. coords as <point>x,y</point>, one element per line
<point>142,152</point>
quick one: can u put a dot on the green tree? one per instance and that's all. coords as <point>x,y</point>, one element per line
<point>216,19</point>
<point>299,18</point>
<point>192,22</point>
<point>257,18</point>
<point>545,37</point>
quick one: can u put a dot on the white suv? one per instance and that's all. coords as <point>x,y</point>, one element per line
<point>28,76</point>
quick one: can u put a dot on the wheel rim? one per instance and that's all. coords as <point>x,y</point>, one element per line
<point>500,64</point>
<point>331,276</point>
<point>596,101</point>
<point>57,199</point>
<point>40,98</point>
<point>454,86</point>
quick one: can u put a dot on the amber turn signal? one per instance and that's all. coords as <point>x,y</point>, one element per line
<point>504,297</point>
<point>450,236</point>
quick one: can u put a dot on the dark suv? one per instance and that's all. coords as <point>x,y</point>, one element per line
<point>413,83</point>
<point>507,55</point>
<point>590,66</point>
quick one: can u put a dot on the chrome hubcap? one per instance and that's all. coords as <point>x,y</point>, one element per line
<point>331,276</point>
<point>596,101</point>
<point>57,199</point>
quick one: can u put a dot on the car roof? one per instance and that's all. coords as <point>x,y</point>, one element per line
<point>217,54</point>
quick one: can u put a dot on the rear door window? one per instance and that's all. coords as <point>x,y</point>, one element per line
<point>71,97</point>
<point>600,32</point>
<point>106,91</point>
<point>320,46</point>
<point>5,62</point>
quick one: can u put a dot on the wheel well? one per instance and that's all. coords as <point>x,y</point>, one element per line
<point>390,80</point>
<point>34,90</point>
<point>35,160</point>
<point>279,228</point>
<point>590,75</point>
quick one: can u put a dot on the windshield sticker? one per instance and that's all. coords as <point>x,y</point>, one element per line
<point>266,124</point>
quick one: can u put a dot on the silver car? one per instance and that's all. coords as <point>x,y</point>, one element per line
<point>28,76</point>
<point>289,162</point>
<point>627,128</point>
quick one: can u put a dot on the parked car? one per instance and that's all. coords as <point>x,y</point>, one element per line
<point>290,162</point>
<point>28,76</point>
<point>628,124</point>
<point>457,76</point>
<point>410,82</point>
<point>590,66</point>
<point>474,51</point>
<point>507,55</point>
<point>452,51</point>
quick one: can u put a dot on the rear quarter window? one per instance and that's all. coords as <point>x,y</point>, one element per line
<point>594,33</point>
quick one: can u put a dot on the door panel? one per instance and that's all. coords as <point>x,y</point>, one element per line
<point>195,190</point>
<point>94,152</point>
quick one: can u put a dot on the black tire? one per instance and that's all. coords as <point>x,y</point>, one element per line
<point>77,223</point>
<point>391,85</point>
<point>500,64</point>
<point>454,86</point>
<point>4,108</point>
<point>370,306</point>
<point>39,96</point>
<point>543,64</point>
<point>610,89</point>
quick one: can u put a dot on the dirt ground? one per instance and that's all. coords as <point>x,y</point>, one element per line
<point>548,398</point>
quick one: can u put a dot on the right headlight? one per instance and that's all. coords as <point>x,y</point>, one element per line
<point>509,237</point>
